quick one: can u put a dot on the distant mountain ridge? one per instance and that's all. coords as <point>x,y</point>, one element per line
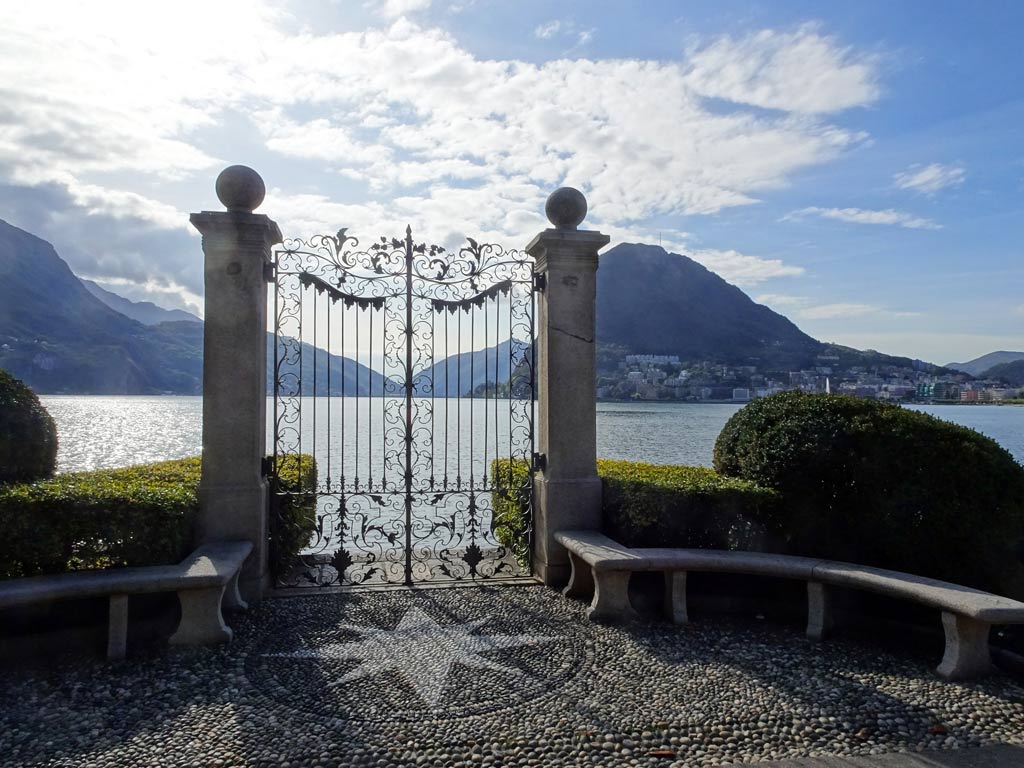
<point>145,312</point>
<point>59,337</point>
<point>979,365</point>
<point>56,336</point>
<point>463,373</point>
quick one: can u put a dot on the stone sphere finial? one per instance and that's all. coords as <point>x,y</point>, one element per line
<point>240,189</point>
<point>566,208</point>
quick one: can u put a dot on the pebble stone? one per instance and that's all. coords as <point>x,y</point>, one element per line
<point>301,687</point>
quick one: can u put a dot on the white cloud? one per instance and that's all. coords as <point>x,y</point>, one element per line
<point>931,178</point>
<point>832,311</point>
<point>121,204</point>
<point>804,308</point>
<point>547,30</point>
<point>741,269</point>
<point>847,310</point>
<point>168,295</point>
<point>396,8</point>
<point>864,216</point>
<point>409,124</point>
<point>584,36</point>
<point>781,300</point>
<point>799,71</point>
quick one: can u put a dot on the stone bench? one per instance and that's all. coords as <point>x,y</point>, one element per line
<point>601,569</point>
<point>205,581</point>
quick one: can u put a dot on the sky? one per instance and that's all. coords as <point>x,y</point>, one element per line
<point>858,167</point>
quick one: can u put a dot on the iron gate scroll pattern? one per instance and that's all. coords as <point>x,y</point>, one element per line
<point>405,370</point>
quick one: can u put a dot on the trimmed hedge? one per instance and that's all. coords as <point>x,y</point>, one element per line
<point>28,434</point>
<point>141,515</point>
<point>511,498</point>
<point>292,511</point>
<point>649,505</point>
<point>877,484</point>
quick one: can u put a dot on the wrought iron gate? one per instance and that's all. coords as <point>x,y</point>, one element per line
<point>404,374</point>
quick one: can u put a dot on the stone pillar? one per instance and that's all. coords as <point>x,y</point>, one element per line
<point>567,491</point>
<point>237,243</point>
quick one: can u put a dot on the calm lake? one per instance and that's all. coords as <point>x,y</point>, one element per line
<point>97,432</point>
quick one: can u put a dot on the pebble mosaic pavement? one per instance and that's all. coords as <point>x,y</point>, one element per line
<point>491,676</point>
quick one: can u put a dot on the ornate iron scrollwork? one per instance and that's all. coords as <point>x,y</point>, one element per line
<point>405,369</point>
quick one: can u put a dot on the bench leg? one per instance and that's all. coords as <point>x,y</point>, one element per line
<point>967,654</point>
<point>117,627</point>
<point>201,620</point>
<point>611,597</point>
<point>581,579</point>
<point>232,597</point>
<point>675,596</point>
<point>819,611</point>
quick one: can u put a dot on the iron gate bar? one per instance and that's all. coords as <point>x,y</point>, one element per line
<point>365,282</point>
<point>408,405</point>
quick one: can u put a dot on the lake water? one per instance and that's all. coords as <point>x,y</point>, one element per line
<point>98,432</point>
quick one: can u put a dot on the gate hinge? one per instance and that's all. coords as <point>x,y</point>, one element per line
<point>540,462</point>
<point>540,281</point>
<point>269,271</point>
<point>266,466</point>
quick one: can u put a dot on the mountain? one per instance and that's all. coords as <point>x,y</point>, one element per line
<point>145,312</point>
<point>653,302</point>
<point>346,375</point>
<point>980,365</point>
<point>466,372</point>
<point>650,301</point>
<point>1012,373</point>
<point>58,337</point>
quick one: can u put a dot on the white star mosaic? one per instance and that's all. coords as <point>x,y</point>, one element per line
<point>421,650</point>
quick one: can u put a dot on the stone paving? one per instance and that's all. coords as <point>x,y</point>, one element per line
<point>494,676</point>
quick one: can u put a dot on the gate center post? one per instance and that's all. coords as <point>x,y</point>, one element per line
<point>567,490</point>
<point>233,502</point>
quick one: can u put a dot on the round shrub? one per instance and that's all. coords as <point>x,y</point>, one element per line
<point>28,435</point>
<point>881,485</point>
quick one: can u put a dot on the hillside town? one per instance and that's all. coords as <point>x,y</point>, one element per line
<point>667,377</point>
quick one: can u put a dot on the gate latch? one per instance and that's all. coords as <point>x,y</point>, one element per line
<point>540,462</point>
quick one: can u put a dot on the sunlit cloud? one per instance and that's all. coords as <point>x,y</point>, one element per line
<point>399,124</point>
<point>395,8</point>
<point>794,71</point>
<point>931,178</point>
<point>848,310</point>
<point>863,216</point>
<point>547,30</point>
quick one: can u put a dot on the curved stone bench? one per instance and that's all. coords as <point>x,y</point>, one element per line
<point>205,581</point>
<point>601,568</point>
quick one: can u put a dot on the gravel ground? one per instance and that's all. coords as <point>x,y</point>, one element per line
<point>496,676</point>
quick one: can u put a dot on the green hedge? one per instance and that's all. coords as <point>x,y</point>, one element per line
<point>648,505</point>
<point>28,434</point>
<point>293,510</point>
<point>881,485</point>
<point>141,515</point>
<point>511,501</point>
<point>651,505</point>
